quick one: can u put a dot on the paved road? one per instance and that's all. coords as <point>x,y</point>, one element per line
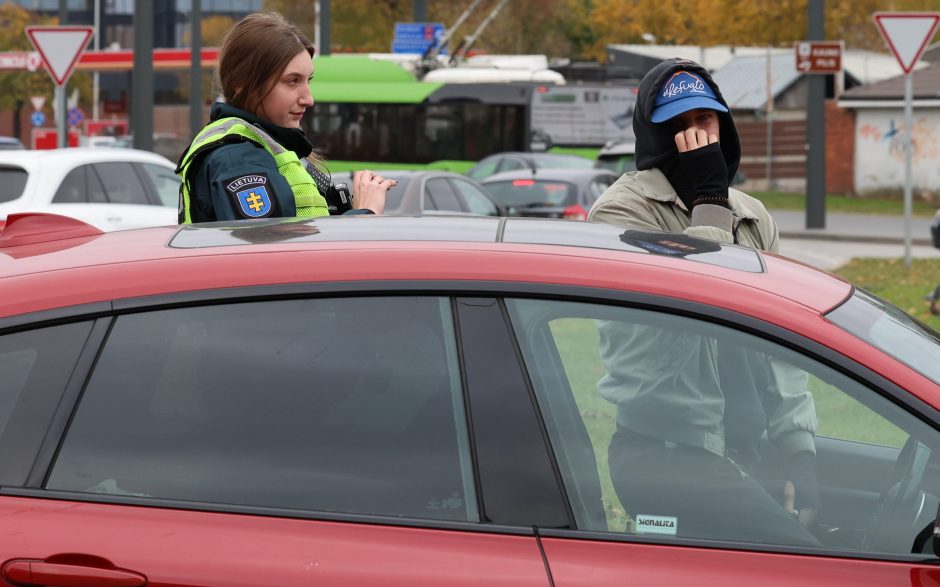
<point>851,235</point>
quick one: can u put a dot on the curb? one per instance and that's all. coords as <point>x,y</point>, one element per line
<point>857,238</point>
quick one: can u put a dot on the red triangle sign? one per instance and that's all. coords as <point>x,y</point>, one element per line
<point>907,34</point>
<point>59,47</point>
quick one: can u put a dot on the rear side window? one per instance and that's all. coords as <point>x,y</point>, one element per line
<point>121,183</point>
<point>342,405</point>
<point>34,369</point>
<point>165,183</point>
<point>12,182</point>
<point>80,186</point>
<point>441,196</point>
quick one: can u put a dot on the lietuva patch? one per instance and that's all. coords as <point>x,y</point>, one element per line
<point>250,192</point>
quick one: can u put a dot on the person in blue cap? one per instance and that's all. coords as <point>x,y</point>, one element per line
<point>693,410</point>
<point>687,154</point>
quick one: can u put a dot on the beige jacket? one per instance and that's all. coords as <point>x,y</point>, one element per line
<point>646,200</point>
<point>665,381</point>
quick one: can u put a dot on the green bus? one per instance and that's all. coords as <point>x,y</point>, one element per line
<point>373,112</point>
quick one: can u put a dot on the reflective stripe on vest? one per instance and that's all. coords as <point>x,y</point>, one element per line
<point>307,199</point>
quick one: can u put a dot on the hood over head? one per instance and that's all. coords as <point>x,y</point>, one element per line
<point>655,145</point>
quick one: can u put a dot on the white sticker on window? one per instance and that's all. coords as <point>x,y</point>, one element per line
<point>656,525</point>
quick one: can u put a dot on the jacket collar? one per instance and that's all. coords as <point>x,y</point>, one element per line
<point>291,138</point>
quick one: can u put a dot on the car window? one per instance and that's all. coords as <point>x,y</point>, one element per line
<point>891,330</point>
<point>121,183</point>
<point>673,427</point>
<point>531,193</point>
<point>563,162</point>
<point>512,164</point>
<point>73,189</point>
<point>12,182</point>
<point>441,196</point>
<point>617,163</point>
<point>477,202</point>
<point>165,182</point>
<point>342,405</point>
<point>598,186</point>
<point>484,168</point>
<point>35,367</point>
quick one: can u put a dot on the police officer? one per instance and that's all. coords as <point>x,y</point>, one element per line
<point>253,160</point>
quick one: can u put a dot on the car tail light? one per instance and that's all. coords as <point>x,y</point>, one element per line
<point>575,212</point>
<point>523,182</point>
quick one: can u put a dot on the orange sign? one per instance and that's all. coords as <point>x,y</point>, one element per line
<point>818,56</point>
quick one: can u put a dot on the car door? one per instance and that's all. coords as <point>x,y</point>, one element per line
<point>275,441</point>
<point>592,368</point>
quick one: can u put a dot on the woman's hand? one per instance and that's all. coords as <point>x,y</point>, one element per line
<point>369,190</point>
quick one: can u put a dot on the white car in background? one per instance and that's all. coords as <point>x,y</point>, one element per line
<point>111,189</point>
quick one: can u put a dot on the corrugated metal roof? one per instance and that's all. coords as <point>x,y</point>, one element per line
<point>865,66</point>
<point>926,85</point>
<point>743,80</point>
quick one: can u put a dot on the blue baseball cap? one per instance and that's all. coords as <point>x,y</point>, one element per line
<point>682,92</point>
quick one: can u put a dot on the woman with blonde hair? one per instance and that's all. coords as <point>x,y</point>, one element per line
<point>253,160</point>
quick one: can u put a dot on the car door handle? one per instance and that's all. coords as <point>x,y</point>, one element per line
<point>37,572</point>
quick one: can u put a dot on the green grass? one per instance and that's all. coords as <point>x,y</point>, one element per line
<point>846,204</point>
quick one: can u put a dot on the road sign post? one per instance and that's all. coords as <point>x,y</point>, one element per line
<point>59,48</point>
<point>907,35</point>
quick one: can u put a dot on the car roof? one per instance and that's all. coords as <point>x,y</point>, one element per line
<point>41,271</point>
<point>79,155</point>
<point>550,174</point>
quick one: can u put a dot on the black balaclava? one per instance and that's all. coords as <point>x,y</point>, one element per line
<point>655,145</point>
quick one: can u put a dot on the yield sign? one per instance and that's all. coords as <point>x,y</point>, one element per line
<point>59,47</point>
<point>907,34</point>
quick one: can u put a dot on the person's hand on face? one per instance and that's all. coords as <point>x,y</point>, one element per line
<point>697,128</point>
<point>370,189</point>
<point>701,158</point>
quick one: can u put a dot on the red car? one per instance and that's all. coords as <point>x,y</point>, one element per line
<point>417,401</point>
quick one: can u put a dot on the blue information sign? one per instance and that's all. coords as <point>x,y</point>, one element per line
<point>37,118</point>
<point>417,37</point>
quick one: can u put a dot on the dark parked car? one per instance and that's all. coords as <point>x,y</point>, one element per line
<point>404,401</point>
<point>549,193</point>
<point>617,156</point>
<point>513,160</point>
<point>11,143</point>
<point>430,192</point>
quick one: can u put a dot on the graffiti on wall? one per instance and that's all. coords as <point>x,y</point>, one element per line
<point>925,145</point>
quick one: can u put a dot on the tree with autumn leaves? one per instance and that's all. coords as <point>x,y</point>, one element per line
<point>581,29</point>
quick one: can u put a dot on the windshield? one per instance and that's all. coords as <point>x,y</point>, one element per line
<point>884,326</point>
<point>531,193</point>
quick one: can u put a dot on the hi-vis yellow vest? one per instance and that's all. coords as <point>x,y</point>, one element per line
<point>307,199</point>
